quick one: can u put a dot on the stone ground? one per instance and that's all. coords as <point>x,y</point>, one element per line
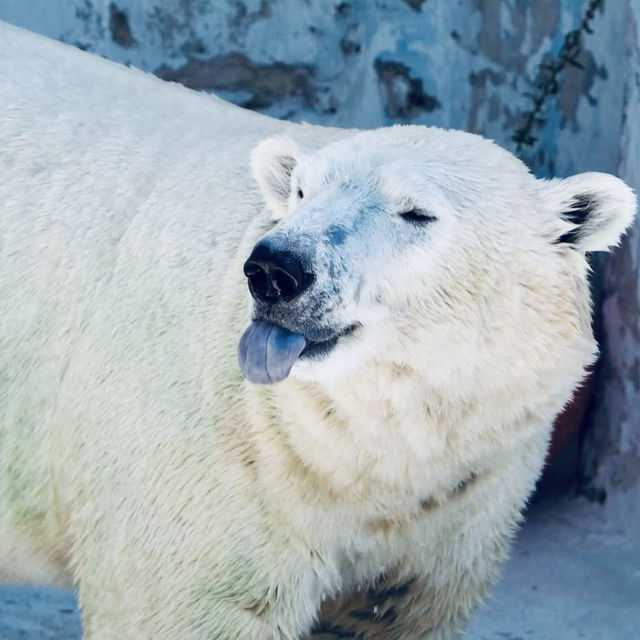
<point>569,578</point>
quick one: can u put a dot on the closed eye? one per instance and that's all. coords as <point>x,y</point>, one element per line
<point>417,216</point>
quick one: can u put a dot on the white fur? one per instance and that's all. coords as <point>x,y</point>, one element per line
<point>272,162</point>
<point>192,504</point>
<point>614,207</point>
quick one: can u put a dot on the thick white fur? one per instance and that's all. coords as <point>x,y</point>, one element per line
<point>272,162</point>
<point>192,504</point>
<point>614,211</point>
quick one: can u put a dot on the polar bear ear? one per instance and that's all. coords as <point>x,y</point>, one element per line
<point>595,209</point>
<point>272,163</point>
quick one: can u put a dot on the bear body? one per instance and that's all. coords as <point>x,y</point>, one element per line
<point>371,492</point>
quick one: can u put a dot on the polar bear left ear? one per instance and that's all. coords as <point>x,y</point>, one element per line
<point>272,163</point>
<point>595,209</point>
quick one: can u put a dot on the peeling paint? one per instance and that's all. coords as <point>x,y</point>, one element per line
<point>351,42</point>
<point>119,26</point>
<point>625,470</point>
<point>343,9</point>
<point>416,5</point>
<point>404,97</point>
<point>265,83</point>
<point>478,81</point>
<point>578,83</point>
<point>506,42</point>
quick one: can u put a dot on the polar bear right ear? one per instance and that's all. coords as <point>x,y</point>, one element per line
<point>594,210</point>
<point>272,163</point>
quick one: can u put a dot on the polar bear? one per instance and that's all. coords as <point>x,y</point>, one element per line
<point>309,405</point>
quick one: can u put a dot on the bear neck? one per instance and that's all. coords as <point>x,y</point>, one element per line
<point>395,435</point>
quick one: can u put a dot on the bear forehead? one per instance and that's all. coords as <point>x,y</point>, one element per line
<point>412,155</point>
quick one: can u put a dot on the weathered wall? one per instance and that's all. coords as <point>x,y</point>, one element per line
<point>457,63</point>
<point>462,63</point>
<point>611,455</point>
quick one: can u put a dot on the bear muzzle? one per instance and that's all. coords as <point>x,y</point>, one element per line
<point>275,273</point>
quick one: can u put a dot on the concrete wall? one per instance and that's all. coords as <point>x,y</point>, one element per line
<point>611,455</point>
<point>461,63</point>
<point>464,63</point>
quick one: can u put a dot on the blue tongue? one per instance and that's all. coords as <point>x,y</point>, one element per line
<point>267,352</point>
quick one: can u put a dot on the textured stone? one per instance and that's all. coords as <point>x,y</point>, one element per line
<point>404,97</point>
<point>611,452</point>
<point>119,26</point>
<point>235,73</point>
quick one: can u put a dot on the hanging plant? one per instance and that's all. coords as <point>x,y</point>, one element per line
<point>549,74</point>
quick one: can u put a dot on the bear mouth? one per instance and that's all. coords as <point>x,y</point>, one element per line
<point>318,349</point>
<point>268,351</point>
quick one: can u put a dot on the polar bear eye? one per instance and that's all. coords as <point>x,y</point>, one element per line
<point>300,194</point>
<point>417,216</point>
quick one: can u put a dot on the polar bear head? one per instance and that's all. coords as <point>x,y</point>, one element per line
<point>427,250</point>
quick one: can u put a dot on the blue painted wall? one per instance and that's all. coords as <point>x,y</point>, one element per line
<point>461,63</point>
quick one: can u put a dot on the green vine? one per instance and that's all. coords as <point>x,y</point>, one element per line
<point>547,81</point>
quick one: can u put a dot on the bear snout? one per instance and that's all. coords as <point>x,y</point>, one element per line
<point>275,273</point>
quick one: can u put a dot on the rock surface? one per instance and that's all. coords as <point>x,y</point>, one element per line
<point>467,64</point>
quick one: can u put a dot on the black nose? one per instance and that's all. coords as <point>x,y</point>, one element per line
<point>276,274</point>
